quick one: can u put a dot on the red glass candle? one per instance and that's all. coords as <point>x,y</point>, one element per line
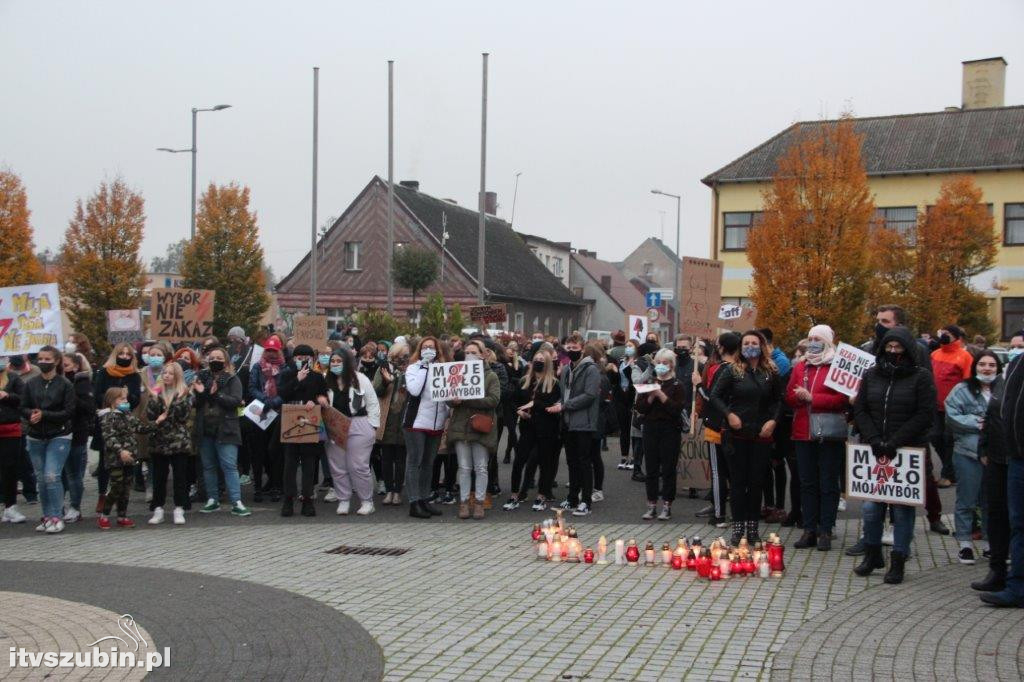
<point>565,550</point>
<point>749,566</point>
<point>677,561</point>
<point>775,559</point>
<point>703,566</point>
<point>632,554</point>
<point>588,556</point>
<point>535,535</point>
<point>716,573</point>
<point>691,561</point>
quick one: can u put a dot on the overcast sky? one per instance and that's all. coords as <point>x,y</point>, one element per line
<point>594,102</point>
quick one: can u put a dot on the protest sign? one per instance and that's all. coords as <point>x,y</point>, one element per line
<point>848,369</point>
<point>181,314</point>
<point>701,296</point>
<point>299,425</point>
<point>255,413</point>
<point>737,318</point>
<point>900,481</point>
<point>124,326</point>
<point>637,326</point>
<point>29,318</point>
<point>485,314</point>
<point>337,425</point>
<point>451,380</point>
<point>310,330</point>
<point>694,470</point>
<point>645,388</point>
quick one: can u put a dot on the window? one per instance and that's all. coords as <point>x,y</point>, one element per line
<point>648,268</point>
<point>901,219</point>
<point>547,262</point>
<point>737,228</point>
<point>557,268</point>
<point>560,323</point>
<point>520,322</point>
<point>547,325</point>
<point>352,254</point>
<point>334,317</point>
<point>1013,224</point>
<point>737,300</point>
<point>1013,316</point>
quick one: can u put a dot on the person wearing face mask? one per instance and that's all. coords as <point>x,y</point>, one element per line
<point>1016,348</point>
<point>423,421</point>
<point>11,448</point>
<point>120,443</point>
<point>579,407</point>
<point>662,410</point>
<point>154,359</point>
<point>538,442</point>
<point>77,370</point>
<point>389,384</point>
<point>965,411</point>
<point>119,371</point>
<point>623,396</point>
<point>170,441</point>
<point>819,458</point>
<point>301,384</point>
<point>951,364</point>
<point>893,409</point>
<point>265,444</point>
<point>351,393</point>
<point>749,394</point>
<point>239,349</point>
<point>368,359</point>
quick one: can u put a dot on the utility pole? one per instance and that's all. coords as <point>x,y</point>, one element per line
<point>481,245</point>
<point>391,186</point>
<point>312,251</point>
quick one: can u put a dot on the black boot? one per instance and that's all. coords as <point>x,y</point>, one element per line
<point>430,510</point>
<point>995,581</point>
<point>288,507</point>
<point>416,512</point>
<point>894,576</point>
<point>737,534</point>
<point>872,559</point>
<point>308,508</point>
<point>753,536</point>
<point>808,539</point>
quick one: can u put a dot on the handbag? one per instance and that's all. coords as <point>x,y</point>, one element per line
<point>481,423</point>
<point>826,426</point>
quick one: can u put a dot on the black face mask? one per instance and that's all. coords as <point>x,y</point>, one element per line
<point>682,352</point>
<point>538,367</point>
<point>945,339</point>
<point>45,367</point>
<point>216,365</point>
<point>574,355</point>
<point>123,362</point>
<point>895,359</point>
<point>880,330</point>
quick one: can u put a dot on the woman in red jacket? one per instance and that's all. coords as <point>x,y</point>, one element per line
<point>819,455</point>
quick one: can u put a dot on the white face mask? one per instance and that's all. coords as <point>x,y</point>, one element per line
<point>428,354</point>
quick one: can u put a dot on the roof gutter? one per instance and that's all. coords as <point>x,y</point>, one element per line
<point>925,171</point>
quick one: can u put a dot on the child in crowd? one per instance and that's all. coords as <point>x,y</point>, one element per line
<point>120,447</point>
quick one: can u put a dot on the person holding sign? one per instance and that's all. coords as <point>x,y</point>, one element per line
<point>894,409</point>
<point>749,393</point>
<point>351,393</point>
<point>424,424</point>
<point>301,384</point>
<point>662,411</point>
<point>11,447</point>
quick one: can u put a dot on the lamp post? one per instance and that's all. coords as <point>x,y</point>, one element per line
<point>515,195</point>
<point>675,282</point>
<point>192,149</point>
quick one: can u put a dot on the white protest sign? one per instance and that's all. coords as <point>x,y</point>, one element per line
<point>730,312</point>
<point>637,326</point>
<point>901,481</point>
<point>29,318</point>
<point>253,411</point>
<point>456,380</point>
<point>848,369</point>
<point>645,388</point>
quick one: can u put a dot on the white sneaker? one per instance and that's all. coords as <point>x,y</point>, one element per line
<point>72,515</point>
<point>179,516</point>
<point>158,517</point>
<point>43,523</point>
<point>366,508</point>
<point>582,510</point>
<point>597,496</point>
<point>842,504</point>
<point>666,512</point>
<point>381,488</point>
<point>343,508</point>
<point>887,538</point>
<point>331,496</point>
<point>55,526</point>
<point>12,515</point>
<point>149,495</point>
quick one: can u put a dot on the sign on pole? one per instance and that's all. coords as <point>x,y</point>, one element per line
<point>899,481</point>
<point>847,369</point>
<point>653,299</point>
<point>310,330</point>
<point>653,314</point>
<point>701,296</point>
<point>737,318</point>
<point>125,326</point>
<point>666,294</point>
<point>29,318</point>
<point>486,314</point>
<point>181,314</point>
<point>637,326</point>
<point>456,380</point>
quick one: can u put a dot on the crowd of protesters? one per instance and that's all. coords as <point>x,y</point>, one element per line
<point>765,419</point>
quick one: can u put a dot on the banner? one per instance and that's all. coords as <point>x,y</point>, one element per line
<point>299,425</point>
<point>847,369</point>
<point>451,380</point>
<point>337,425</point>
<point>637,326</point>
<point>487,314</point>
<point>124,326</point>
<point>311,330</point>
<point>29,318</point>
<point>901,481</point>
<point>694,469</point>
<point>701,296</point>
<point>181,314</point>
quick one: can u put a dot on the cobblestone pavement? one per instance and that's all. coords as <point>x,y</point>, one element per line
<point>469,601</point>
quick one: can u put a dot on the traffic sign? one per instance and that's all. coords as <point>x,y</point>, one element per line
<point>666,294</point>
<point>653,299</point>
<point>653,314</point>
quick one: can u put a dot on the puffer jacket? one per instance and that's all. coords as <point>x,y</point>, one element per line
<point>120,432</point>
<point>823,398</point>
<point>459,428</point>
<point>754,397</point>
<point>56,399</point>
<point>965,411</point>
<point>172,436</point>
<point>992,443</point>
<point>10,412</point>
<point>393,397</point>
<point>422,413</point>
<point>895,405</point>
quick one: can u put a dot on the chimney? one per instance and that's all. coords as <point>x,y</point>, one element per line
<point>414,185</point>
<point>984,83</point>
<point>606,284</point>
<point>491,203</point>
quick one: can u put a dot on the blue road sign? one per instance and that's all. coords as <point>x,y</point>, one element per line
<point>653,299</point>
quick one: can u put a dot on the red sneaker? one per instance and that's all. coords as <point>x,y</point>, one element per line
<point>103,522</point>
<point>125,522</point>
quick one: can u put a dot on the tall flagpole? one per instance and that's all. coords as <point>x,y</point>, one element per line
<point>483,188</point>
<point>312,250</point>
<point>391,185</point>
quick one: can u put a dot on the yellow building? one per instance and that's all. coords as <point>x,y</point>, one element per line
<point>907,158</point>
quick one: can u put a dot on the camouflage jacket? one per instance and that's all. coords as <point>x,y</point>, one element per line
<point>173,435</point>
<point>120,432</point>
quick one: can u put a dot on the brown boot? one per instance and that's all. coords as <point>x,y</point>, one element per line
<point>478,510</point>
<point>464,510</point>
<point>488,502</point>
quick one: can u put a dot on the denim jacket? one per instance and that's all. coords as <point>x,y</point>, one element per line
<point>965,409</point>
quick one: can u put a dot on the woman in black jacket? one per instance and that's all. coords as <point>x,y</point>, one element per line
<point>11,389</point>
<point>749,393</point>
<point>662,412</point>
<point>300,384</point>
<point>119,371</point>
<point>992,451</point>
<point>78,371</point>
<point>893,410</point>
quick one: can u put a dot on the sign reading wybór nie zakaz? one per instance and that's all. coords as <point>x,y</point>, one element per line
<point>897,481</point>
<point>456,381</point>
<point>181,314</point>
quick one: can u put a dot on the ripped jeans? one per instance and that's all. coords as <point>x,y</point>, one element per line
<point>48,458</point>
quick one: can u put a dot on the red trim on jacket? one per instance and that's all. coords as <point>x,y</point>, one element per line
<point>823,398</point>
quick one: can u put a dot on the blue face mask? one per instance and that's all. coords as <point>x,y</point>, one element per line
<point>337,370</point>
<point>661,370</point>
<point>155,361</point>
<point>124,407</point>
<point>630,351</point>
<point>1014,352</point>
<point>986,379</point>
<point>324,360</point>
<point>816,347</point>
<point>751,352</point>
<point>190,375</point>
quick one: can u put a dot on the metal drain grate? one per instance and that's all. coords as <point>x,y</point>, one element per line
<point>368,551</point>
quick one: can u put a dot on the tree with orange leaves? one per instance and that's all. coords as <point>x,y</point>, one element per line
<point>18,262</point>
<point>810,252</point>
<point>100,269</point>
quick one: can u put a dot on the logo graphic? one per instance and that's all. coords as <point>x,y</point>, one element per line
<point>130,651</point>
<point>128,626</point>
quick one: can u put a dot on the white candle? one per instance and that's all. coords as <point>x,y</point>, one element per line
<point>602,551</point>
<point>542,550</point>
<point>620,552</point>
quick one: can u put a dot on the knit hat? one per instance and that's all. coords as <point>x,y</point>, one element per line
<point>956,330</point>
<point>237,332</point>
<point>824,331</point>
<point>302,350</point>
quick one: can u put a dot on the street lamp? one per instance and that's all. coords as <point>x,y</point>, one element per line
<point>192,149</point>
<point>675,283</point>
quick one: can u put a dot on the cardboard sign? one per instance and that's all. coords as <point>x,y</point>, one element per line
<point>310,330</point>
<point>694,470</point>
<point>487,314</point>
<point>124,326</point>
<point>181,314</point>
<point>299,425</point>
<point>29,318</point>
<point>737,318</point>
<point>901,481</point>
<point>337,425</point>
<point>701,296</point>
<point>462,380</point>
<point>847,369</point>
<point>638,325</point>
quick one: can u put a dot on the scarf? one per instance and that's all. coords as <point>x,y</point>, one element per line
<point>120,372</point>
<point>270,371</point>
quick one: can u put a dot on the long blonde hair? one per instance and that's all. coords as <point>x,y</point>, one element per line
<point>179,389</point>
<point>546,380</point>
<point>112,358</point>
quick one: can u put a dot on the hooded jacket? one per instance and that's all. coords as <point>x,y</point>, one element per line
<point>951,364</point>
<point>581,395</point>
<point>895,405</point>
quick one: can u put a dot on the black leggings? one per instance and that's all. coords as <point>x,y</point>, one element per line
<point>661,454</point>
<point>392,459</point>
<point>265,456</point>
<point>10,452</point>
<point>543,454</point>
<point>308,455</point>
<point>509,419</point>
<point>748,465</point>
<point>622,411</point>
<point>998,515</point>
<point>525,460</point>
<point>597,463</point>
<point>178,465</point>
<point>451,471</point>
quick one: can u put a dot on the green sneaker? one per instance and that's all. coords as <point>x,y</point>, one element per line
<point>212,505</point>
<point>244,480</point>
<point>240,509</point>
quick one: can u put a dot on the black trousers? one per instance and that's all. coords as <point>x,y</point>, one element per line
<point>10,454</point>
<point>308,456</point>
<point>525,447</point>
<point>622,411</point>
<point>392,460</point>
<point>265,455</point>
<point>661,457</point>
<point>748,465</point>
<point>596,462</point>
<point>581,470</point>
<point>509,420</point>
<point>451,471</point>
<point>994,485</point>
<point>178,466</point>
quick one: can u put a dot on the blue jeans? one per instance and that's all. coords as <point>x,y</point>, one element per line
<point>1015,503</point>
<point>968,495</point>
<point>226,455</point>
<point>74,474</point>
<point>819,465</point>
<point>903,525</point>
<point>48,457</point>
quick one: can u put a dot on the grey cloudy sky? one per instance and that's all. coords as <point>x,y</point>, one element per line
<point>595,102</point>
